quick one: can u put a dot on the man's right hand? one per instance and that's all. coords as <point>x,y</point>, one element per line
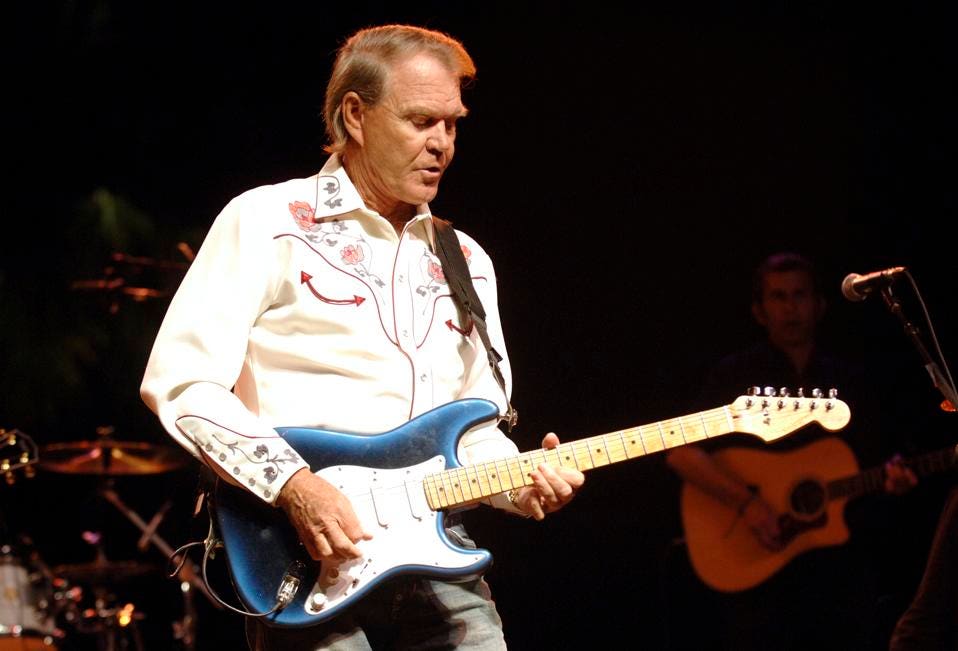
<point>763,523</point>
<point>323,518</point>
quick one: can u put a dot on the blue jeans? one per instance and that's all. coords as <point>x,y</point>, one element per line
<point>405,613</point>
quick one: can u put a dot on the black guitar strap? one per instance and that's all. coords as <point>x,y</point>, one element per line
<point>456,270</point>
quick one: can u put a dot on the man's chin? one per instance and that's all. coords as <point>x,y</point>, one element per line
<point>424,194</point>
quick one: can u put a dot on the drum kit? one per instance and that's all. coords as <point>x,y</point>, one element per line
<point>79,605</point>
<point>75,606</point>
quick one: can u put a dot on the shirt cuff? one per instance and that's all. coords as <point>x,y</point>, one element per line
<point>258,464</point>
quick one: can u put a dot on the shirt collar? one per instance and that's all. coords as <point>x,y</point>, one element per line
<point>336,195</point>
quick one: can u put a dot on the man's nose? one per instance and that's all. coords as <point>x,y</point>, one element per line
<point>440,140</point>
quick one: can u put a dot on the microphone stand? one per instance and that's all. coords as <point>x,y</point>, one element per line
<point>937,377</point>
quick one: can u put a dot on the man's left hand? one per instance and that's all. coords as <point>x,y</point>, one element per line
<point>552,488</point>
<point>899,478</point>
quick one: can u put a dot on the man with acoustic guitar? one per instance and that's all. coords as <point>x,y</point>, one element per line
<point>789,611</point>
<point>324,302</point>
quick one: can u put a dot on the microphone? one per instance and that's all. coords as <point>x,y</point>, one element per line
<point>856,287</point>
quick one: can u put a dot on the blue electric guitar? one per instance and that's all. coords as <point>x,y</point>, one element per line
<point>401,481</point>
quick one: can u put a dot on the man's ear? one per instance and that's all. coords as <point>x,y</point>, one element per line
<point>758,312</point>
<point>353,110</point>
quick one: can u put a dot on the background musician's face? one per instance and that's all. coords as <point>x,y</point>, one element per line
<point>790,308</point>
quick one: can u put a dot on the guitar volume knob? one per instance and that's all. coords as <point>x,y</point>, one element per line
<point>318,600</point>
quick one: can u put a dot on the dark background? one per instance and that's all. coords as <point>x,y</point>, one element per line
<point>626,171</point>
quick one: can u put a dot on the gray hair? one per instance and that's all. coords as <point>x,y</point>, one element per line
<point>364,60</point>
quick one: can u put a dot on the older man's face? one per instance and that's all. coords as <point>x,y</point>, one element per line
<point>409,136</point>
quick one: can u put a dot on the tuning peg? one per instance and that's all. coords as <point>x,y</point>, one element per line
<point>833,393</point>
<point>769,391</point>
<point>784,392</point>
<point>816,393</point>
<point>753,391</point>
<point>800,393</point>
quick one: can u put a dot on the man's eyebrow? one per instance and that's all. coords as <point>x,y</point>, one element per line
<point>422,110</point>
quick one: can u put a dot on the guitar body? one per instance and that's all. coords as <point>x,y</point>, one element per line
<point>382,474</point>
<point>724,552</point>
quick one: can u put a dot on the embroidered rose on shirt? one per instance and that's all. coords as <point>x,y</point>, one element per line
<point>466,253</point>
<point>352,254</point>
<point>303,214</point>
<point>435,272</point>
<point>433,276</point>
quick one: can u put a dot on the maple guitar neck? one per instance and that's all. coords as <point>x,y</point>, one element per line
<point>769,418</point>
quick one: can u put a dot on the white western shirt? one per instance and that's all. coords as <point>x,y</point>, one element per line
<point>304,308</point>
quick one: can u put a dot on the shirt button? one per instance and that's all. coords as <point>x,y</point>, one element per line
<point>423,377</point>
<point>405,333</point>
<point>402,278</point>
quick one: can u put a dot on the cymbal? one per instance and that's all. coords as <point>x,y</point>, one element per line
<point>102,571</point>
<point>109,457</point>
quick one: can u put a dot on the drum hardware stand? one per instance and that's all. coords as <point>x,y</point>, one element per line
<point>188,574</point>
<point>109,623</point>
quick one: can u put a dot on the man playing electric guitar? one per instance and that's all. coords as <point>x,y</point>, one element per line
<point>322,302</point>
<point>821,600</point>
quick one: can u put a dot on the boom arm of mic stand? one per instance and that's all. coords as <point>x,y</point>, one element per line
<point>188,572</point>
<point>937,377</point>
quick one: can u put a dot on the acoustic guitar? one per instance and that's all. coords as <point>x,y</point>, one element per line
<point>809,486</point>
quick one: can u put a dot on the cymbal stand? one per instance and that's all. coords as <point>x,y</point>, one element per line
<point>188,574</point>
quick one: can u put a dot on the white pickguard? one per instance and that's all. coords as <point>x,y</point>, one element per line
<point>392,507</point>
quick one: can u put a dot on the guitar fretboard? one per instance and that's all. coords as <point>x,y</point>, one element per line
<point>459,486</point>
<point>873,479</point>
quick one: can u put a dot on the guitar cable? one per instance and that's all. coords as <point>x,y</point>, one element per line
<point>285,594</point>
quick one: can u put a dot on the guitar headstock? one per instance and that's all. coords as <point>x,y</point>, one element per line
<point>17,450</point>
<point>771,415</point>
